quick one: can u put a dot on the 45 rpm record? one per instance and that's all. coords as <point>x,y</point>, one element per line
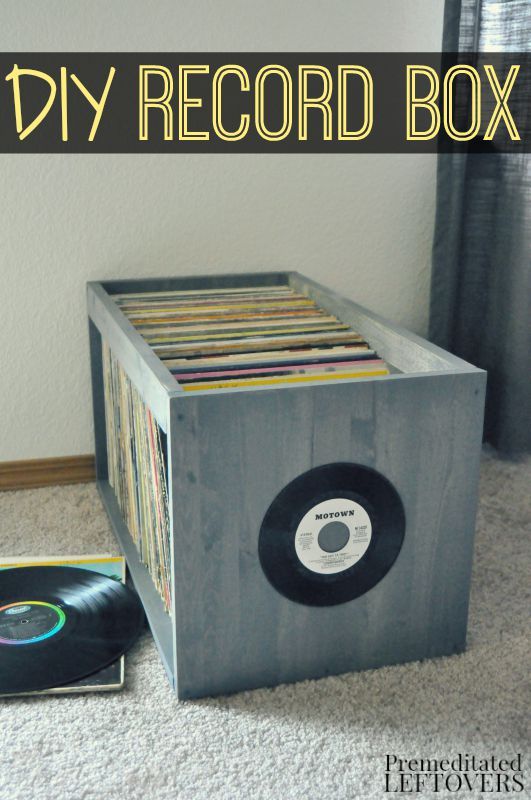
<point>60,624</point>
<point>331,534</point>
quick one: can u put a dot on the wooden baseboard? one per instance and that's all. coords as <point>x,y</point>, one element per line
<point>46,472</point>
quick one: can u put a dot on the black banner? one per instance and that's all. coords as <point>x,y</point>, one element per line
<point>264,102</point>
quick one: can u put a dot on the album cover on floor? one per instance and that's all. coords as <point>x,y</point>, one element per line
<point>112,677</point>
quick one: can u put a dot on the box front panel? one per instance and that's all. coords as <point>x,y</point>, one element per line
<point>232,455</point>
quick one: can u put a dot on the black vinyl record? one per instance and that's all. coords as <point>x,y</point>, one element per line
<point>331,534</point>
<point>60,624</point>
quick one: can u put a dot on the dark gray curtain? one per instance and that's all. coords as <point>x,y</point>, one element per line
<point>481,279</point>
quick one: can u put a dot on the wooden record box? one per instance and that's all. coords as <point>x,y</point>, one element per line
<point>236,457</point>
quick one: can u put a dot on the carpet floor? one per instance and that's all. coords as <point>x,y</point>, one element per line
<point>312,740</point>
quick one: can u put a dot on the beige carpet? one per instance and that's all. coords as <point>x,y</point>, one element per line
<point>314,740</point>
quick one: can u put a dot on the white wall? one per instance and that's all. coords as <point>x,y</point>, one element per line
<point>362,224</point>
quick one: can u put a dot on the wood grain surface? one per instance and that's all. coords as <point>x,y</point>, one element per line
<point>37,472</point>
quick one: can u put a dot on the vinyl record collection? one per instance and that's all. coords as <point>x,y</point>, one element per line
<point>248,337</point>
<point>212,339</point>
<point>137,471</point>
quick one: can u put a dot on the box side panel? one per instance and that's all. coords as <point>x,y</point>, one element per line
<point>232,457</point>
<point>98,402</point>
<point>191,282</point>
<point>434,425</point>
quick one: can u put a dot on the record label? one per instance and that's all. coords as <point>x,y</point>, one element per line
<point>30,621</point>
<point>333,535</point>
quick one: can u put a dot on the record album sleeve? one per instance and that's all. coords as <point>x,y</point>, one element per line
<point>112,677</point>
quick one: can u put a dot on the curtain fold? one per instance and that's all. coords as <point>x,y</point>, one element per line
<point>481,278</point>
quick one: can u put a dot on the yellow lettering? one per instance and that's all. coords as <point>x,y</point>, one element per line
<point>502,109</point>
<point>475,102</point>
<point>186,102</point>
<point>322,102</point>
<point>97,105</point>
<point>163,102</point>
<point>15,76</point>
<point>427,102</point>
<point>219,128</point>
<point>64,104</point>
<point>343,133</point>
<point>287,94</point>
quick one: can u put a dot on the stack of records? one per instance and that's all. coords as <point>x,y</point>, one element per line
<point>248,337</point>
<point>136,458</point>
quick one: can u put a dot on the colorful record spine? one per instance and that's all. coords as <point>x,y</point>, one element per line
<point>137,472</point>
<point>251,329</point>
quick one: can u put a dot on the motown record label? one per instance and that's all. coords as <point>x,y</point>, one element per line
<point>331,534</point>
<point>333,546</point>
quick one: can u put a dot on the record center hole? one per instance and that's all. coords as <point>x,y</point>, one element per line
<point>333,536</point>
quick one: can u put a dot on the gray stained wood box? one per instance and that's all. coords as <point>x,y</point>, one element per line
<point>230,452</point>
